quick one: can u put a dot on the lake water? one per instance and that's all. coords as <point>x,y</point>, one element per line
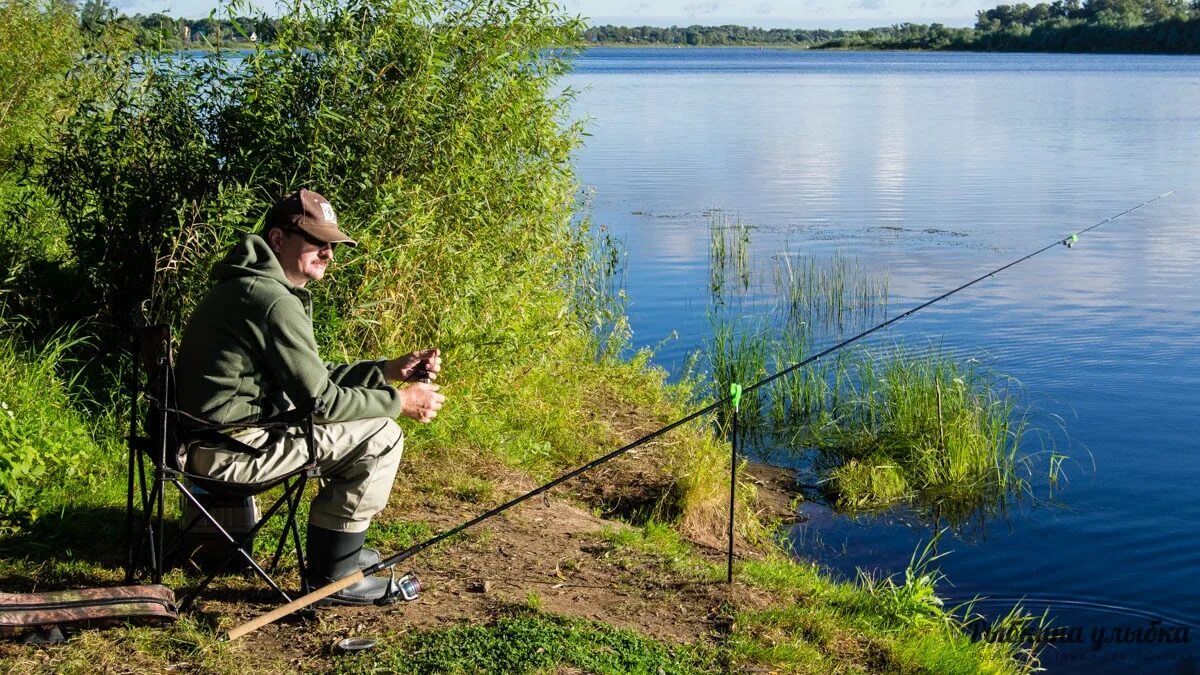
<point>935,168</point>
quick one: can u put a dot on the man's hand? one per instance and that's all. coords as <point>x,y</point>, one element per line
<point>414,367</point>
<point>421,401</point>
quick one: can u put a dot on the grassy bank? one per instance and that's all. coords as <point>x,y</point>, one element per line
<point>432,129</point>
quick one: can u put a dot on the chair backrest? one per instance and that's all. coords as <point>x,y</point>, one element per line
<point>160,423</point>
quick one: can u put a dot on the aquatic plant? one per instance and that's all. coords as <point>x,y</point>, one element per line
<point>737,353</point>
<point>728,254</point>
<point>830,296</point>
<point>912,424</point>
<point>883,426</point>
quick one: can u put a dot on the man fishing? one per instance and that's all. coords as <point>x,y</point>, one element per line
<point>248,353</point>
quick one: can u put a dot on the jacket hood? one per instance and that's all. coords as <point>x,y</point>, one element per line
<point>251,257</point>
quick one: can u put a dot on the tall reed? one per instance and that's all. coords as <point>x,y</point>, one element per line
<point>728,254</point>
<point>915,424</point>
<point>834,295</point>
<point>883,427</point>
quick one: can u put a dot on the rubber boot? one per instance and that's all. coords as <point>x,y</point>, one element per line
<point>333,555</point>
<point>368,557</point>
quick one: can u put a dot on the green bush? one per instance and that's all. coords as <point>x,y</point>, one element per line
<point>39,41</point>
<point>429,125</point>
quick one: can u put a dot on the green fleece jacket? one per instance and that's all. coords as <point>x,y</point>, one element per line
<point>248,351</point>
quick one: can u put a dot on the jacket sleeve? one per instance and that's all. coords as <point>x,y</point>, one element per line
<point>291,354</point>
<point>357,374</point>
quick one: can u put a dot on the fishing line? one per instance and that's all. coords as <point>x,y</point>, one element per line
<point>386,563</point>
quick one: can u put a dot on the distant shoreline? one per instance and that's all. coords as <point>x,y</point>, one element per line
<point>1008,28</point>
<point>895,50</point>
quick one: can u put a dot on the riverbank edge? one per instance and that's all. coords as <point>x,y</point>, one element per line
<point>780,613</point>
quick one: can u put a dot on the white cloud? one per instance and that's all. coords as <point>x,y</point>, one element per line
<point>701,8</point>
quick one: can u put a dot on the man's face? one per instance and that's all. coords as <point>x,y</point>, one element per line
<point>302,257</point>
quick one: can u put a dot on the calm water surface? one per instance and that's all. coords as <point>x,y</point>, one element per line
<point>934,168</point>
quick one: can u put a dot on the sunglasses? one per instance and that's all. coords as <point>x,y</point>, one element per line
<point>313,240</point>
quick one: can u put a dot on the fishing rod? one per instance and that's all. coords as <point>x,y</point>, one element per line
<point>330,589</point>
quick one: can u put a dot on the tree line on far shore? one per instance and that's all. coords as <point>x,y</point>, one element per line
<point>1166,26</point>
<point>169,32</point>
<point>1063,25</point>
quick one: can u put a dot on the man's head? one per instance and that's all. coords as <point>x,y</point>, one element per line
<point>302,230</point>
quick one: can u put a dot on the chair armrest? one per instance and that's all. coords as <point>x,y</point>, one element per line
<point>302,415</point>
<point>289,418</point>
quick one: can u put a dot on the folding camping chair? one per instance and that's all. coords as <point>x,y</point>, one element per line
<point>154,463</point>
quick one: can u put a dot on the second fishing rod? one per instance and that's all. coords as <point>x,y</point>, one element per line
<point>330,589</point>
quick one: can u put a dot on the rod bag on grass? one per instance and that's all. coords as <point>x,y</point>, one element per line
<point>39,612</point>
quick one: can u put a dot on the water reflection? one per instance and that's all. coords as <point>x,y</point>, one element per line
<point>974,158</point>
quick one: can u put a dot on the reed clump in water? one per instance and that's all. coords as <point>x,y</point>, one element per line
<point>837,294</point>
<point>883,427</point>
<point>912,426</point>
<point>728,254</point>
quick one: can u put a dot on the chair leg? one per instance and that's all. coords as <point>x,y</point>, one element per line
<point>293,491</point>
<point>129,543</point>
<point>238,549</point>
<point>145,543</point>
<point>301,561</point>
<point>138,546</point>
<point>146,536</point>
<point>159,560</point>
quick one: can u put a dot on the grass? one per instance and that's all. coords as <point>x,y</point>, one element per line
<point>728,254</point>
<point>44,440</point>
<point>915,425</point>
<point>829,297</point>
<point>885,426</point>
<point>811,301</point>
<point>527,641</point>
<point>813,625</point>
<point>872,624</point>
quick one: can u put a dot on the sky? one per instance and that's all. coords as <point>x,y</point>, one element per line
<point>761,13</point>
<point>780,13</point>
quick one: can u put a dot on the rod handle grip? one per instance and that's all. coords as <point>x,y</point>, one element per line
<point>295,605</point>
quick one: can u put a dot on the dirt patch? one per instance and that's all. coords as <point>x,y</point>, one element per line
<point>547,554</point>
<point>551,552</point>
<point>778,493</point>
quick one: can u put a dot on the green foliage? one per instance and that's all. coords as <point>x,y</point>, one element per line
<point>910,425</point>
<point>885,427</point>
<point>915,601</point>
<point>594,284</point>
<point>428,124</point>
<point>129,163</point>
<point>531,643</point>
<point>815,301</point>
<point>43,439</point>
<point>38,43</point>
<point>900,623</point>
<point>727,35</point>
